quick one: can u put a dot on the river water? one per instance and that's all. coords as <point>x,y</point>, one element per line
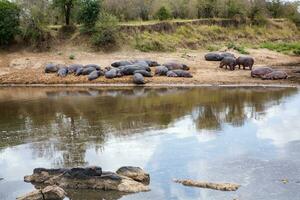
<point>249,136</point>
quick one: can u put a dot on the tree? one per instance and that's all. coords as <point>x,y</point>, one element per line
<point>89,12</point>
<point>9,21</point>
<point>66,7</point>
<point>163,13</point>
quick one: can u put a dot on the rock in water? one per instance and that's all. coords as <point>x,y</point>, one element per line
<point>48,193</point>
<point>136,173</point>
<point>138,79</point>
<point>214,186</point>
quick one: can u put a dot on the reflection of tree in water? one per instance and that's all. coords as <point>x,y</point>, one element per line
<point>67,120</point>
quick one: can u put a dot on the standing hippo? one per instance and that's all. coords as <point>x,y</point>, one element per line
<point>51,68</point>
<point>171,74</point>
<point>113,73</point>
<point>228,61</point>
<point>275,75</point>
<point>62,72</point>
<point>176,65</point>
<point>94,75</point>
<point>121,63</point>
<point>182,73</point>
<point>261,71</point>
<point>161,71</point>
<point>138,79</point>
<point>245,61</point>
<point>73,68</point>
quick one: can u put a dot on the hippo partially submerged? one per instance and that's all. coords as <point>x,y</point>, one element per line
<point>275,75</point>
<point>228,62</point>
<point>245,61</point>
<point>261,71</point>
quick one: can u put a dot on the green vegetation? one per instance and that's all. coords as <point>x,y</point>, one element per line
<point>72,57</point>
<point>163,13</point>
<point>89,13</point>
<point>239,48</point>
<point>287,48</point>
<point>9,21</point>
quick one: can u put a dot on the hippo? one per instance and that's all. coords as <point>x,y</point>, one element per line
<point>94,75</point>
<point>62,72</point>
<point>130,69</point>
<point>161,71</point>
<point>182,73</point>
<point>245,61</point>
<point>228,61</point>
<point>261,71</point>
<point>217,56</point>
<point>121,63</point>
<point>51,68</point>
<point>144,73</point>
<point>175,65</point>
<point>141,63</point>
<point>138,79</point>
<point>150,63</point>
<point>113,73</point>
<point>73,68</point>
<point>275,75</point>
<point>79,71</point>
<point>97,67</point>
<point>171,74</point>
<point>88,70</point>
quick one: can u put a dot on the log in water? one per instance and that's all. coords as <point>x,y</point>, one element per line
<point>208,185</point>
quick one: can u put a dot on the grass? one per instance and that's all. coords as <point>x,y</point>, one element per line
<point>283,47</point>
<point>241,49</point>
<point>72,57</point>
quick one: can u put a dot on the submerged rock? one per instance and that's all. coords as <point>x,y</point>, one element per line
<point>208,185</point>
<point>128,179</point>
<point>48,193</point>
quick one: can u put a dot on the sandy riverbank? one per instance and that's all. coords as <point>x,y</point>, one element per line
<point>24,67</point>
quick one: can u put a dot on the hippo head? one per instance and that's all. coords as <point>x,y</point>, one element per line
<point>153,63</point>
<point>185,67</point>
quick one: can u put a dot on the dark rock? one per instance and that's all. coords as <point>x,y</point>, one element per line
<point>136,173</point>
<point>48,193</point>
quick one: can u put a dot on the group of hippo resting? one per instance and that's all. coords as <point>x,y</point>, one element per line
<point>230,61</point>
<point>138,68</point>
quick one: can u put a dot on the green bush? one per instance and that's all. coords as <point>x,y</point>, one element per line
<point>163,14</point>
<point>89,13</point>
<point>283,47</point>
<point>240,49</point>
<point>106,32</point>
<point>9,21</point>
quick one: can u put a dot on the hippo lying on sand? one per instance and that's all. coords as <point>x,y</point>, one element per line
<point>175,65</point>
<point>88,70</point>
<point>121,63</point>
<point>138,79</point>
<point>217,56</point>
<point>261,71</point>
<point>130,69</point>
<point>62,72</point>
<point>126,179</point>
<point>73,68</point>
<point>161,71</point>
<point>144,73</point>
<point>275,75</point>
<point>182,73</point>
<point>150,63</point>
<point>171,74</point>
<point>94,75</point>
<point>113,73</point>
<point>228,61</point>
<point>245,61</point>
<point>97,67</point>
<point>51,68</point>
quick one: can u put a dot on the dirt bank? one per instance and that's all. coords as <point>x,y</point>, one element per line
<point>27,67</point>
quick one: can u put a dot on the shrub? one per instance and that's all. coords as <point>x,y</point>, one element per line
<point>240,49</point>
<point>9,21</point>
<point>163,14</point>
<point>72,57</point>
<point>106,31</point>
<point>89,13</point>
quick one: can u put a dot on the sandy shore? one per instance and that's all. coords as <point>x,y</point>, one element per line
<point>26,68</point>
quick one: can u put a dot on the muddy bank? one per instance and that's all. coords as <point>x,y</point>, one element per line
<point>27,68</point>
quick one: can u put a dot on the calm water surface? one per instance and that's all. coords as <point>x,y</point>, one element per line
<point>246,136</point>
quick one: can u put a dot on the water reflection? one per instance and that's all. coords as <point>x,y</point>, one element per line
<point>168,131</point>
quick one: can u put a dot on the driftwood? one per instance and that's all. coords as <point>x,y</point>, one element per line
<point>214,186</point>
